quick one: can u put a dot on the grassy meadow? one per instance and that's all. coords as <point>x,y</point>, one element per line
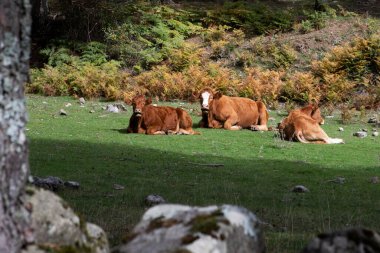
<point>258,172</point>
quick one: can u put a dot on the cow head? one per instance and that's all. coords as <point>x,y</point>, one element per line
<point>314,112</point>
<point>205,97</point>
<point>138,104</point>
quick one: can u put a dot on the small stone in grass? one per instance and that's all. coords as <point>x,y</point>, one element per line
<point>62,112</point>
<point>118,187</point>
<point>300,188</point>
<point>374,180</point>
<point>82,101</point>
<point>153,199</point>
<point>360,134</point>
<point>72,184</point>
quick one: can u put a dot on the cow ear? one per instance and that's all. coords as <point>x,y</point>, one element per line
<point>218,95</point>
<point>148,101</point>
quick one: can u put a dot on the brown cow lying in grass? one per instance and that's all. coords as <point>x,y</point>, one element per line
<point>303,125</point>
<point>232,113</point>
<point>149,119</point>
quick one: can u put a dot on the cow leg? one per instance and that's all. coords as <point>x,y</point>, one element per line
<point>259,128</point>
<point>154,131</point>
<point>141,130</point>
<point>230,123</point>
<point>317,136</point>
<point>335,141</point>
<point>159,133</point>
<point>215,124</point>
<point>263,118</point>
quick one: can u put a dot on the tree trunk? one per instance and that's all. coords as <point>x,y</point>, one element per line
<point>15,29</point>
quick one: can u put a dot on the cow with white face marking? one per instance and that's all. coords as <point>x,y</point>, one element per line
<point>231,113</point>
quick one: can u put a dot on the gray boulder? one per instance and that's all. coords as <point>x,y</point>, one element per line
<point>361,134</point>
<point>56,225</point>
<point>179,228</point>
<point>355,240</point>
<point>49,183</point>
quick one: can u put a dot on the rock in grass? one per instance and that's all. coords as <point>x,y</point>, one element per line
<point>179,228</point>
<point>118,187</point>
<point>48,183</point>
<point>372,120</point>
<point>62,112</point>
<point>375,134</point>
<point>338,180</point>
<point>341,129</point>
<point>72,184</point>
<point>153,200</point>
<point>361,134</point>
<point>112,108</point>
<point>355,240</point>
<point>68,105</point>
<point>56,226</point>
<point>374,180</point>
<point>300,189</point>
<point>82,101</point>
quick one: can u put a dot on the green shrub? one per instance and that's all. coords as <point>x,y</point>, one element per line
<point>57,56</point>
<point>149,36</point>
<point>253,18</point>
<point>93,52</point>
<point>318,19</point>
<point>284,56</point>
<point>306,26</point>
<point>186,56</point>
<point>350,69</point>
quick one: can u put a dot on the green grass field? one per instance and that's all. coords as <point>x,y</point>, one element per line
<point>259,171</point>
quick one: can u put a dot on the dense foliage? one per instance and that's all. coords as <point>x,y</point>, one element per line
<point>173,51</point>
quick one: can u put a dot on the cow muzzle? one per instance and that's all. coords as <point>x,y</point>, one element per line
<point>137,112</point>
<point>205,108</point>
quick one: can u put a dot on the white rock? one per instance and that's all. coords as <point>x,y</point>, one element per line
<point>62,112</point>
<point>68,105</point>
<point>375,134</point>
<point>341,129</point>
<point>112,108</point>
<point>82,101</point>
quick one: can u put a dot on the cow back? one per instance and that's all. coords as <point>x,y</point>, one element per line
<point>163,117</point>
<point>245,108</point>
<point>185,121</point>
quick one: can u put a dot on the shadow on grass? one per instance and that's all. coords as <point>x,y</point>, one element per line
<point>261,185</point>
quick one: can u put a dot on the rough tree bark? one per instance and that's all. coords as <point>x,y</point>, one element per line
<point>15,29</point>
